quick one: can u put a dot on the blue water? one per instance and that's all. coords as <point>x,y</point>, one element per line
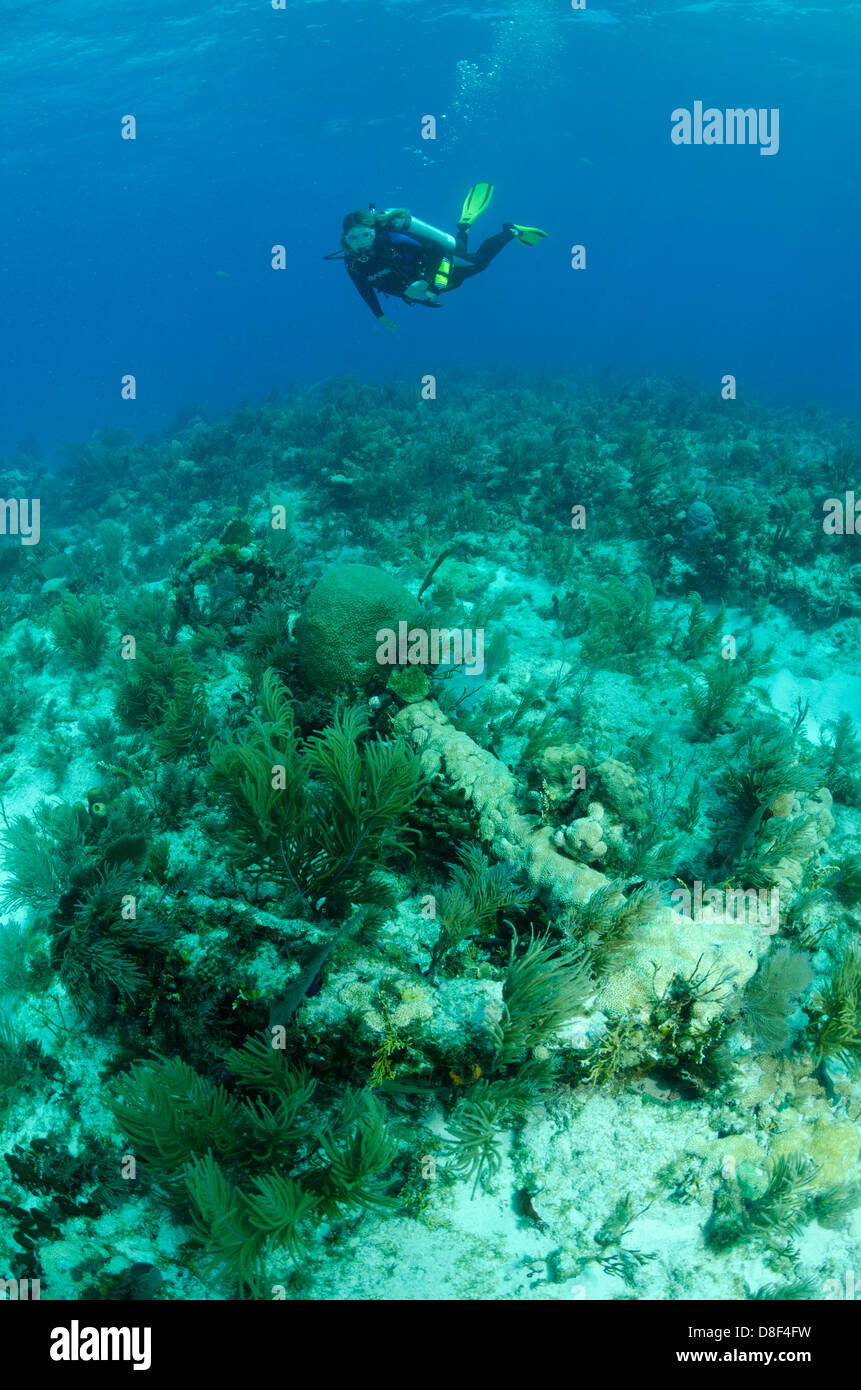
<point>258,126</point>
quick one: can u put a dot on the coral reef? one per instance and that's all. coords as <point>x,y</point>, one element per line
<point>335,968</point>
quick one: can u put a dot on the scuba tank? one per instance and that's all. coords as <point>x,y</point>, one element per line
<point>420,290</point>
<point>424,232</point>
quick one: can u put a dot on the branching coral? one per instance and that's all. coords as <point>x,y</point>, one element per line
<point>541,991</point>
<point>170,1113</point>
<point>480,1117</point>
<point>252,1170</point>
<point>845,880</point>
<point>237,1227</point>
<point>476,892</point>
<point>356,1154</point>
<point>767,766</point>
<point>77,871</point>
<point>164,692</point>
<point>474,1130</point>
<point>79,630</point>
<point>98,953</point>
<point>41,853</point>
<point>841,772</point>
<point>835,1013</point>
<point>781,1208</point>
<point>711,695</point>
<point>835,1203</point>
<point>317,816</point>
<point>700,635</point>
<point>622,629</point>
<point>607,922</point>
<point>787,1196</point>
<point>776,842</point>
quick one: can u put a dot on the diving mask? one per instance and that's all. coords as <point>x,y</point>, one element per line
<point>360,238</point>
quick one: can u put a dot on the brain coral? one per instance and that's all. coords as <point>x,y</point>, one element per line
<point>337,633</point>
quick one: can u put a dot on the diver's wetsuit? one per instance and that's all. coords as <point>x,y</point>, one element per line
<point>396,260</point>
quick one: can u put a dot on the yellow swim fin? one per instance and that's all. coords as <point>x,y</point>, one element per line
<point>474,203</point>
<point>527,236</point>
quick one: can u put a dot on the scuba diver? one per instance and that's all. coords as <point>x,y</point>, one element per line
<point>393,253</point>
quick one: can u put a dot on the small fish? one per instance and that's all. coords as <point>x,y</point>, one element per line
<point>762,814</point>
<point>307,981</point>
<point>223,275</point>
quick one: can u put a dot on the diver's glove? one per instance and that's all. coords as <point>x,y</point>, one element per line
<point>387,323</point>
